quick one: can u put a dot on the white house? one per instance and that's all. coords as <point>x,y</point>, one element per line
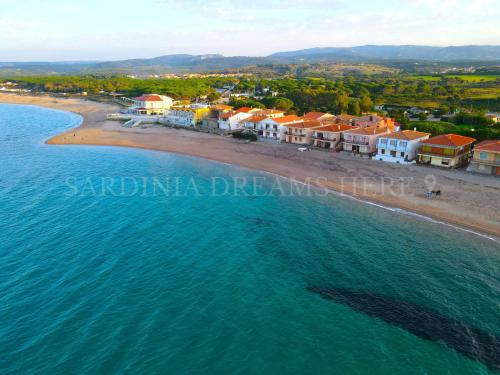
<point>151,104</point>
<point>253,123</point>
<point>232,120</point>
<point>273,128</point>
<point>401,147</point>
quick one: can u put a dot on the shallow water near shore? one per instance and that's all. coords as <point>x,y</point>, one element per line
<point>195,283</point>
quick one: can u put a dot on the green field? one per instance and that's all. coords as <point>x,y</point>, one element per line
<point>483,93</point>
<point>465,77</point>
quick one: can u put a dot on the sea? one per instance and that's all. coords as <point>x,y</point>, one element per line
<point>128,261</point>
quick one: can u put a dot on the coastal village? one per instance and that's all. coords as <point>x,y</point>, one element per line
<point>370,136</point>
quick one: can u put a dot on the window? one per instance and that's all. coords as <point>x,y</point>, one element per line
<point>393,143</point>
<point>426,148</point>
<point>449,151</point>
<point>403,144</point>
<point>383,141</point>
<point>445,162</point>
<point>402,154</point>
<point>382,151</point>
<point>483,155</point>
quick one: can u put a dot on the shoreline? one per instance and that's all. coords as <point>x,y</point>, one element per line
<point>284,161</point>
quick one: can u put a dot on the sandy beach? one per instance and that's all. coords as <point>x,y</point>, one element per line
<point>467,200</point>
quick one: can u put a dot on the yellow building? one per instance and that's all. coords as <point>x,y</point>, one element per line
<point>188,115</point>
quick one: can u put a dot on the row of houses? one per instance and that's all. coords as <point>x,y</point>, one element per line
<point>370,135</point>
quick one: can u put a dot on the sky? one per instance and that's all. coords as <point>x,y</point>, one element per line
<point>51,30</point>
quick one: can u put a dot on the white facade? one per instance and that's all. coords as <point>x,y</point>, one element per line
<point>396,148</point>
<point>152,104</point>
<point>234,121</point>
<point>274,128</point>
<point>252,123</point>
<point>181,117</point>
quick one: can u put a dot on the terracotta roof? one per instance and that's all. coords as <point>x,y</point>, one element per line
<point>373,130</point>
<point>305,124</point>
<point>453,140</point>
<point>287,119</point>
<point>254,118</point>
<point>221,107</point>
<point>408,135</point>
<point>149,98</point>
<point>335,128</point>
<point>244,109</point>
<point>489,146</point>
<point>315,115</point>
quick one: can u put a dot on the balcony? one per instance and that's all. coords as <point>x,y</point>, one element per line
<point>441,153</point>
<point>357,143</point>
<point>493,163</point>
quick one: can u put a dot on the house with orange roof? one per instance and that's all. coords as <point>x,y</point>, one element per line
<point>486,158</point>
<point>253,123</point>
<point>363,141</point>
<point>247,110</point>
<point>401,147</point>
<point>232,120</point>
<point>318,116</point>
<point>446,151</point>
<point>371,120</point>
<point>329,136</point>
<point>274,128</point>
<point>271,113</point>
<point>344,119</point>
<point>300,132</point>
<point>151,104</point>
<point>211,121</point>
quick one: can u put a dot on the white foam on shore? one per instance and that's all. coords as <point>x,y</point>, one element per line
<point>395,209</point>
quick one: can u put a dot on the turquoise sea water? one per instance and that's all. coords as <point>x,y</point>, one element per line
<point>94,282</point>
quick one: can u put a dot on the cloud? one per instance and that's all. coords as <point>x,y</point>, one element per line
<point>112,29</point>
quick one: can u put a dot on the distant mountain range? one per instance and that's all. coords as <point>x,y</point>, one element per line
<point>215,62</point>
<point>408,52</point>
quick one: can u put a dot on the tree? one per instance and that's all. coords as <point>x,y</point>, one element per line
<point>213,97</point>
<point>342,102</point>
<point>366,103</point>
<point>283,104</point>
<point>238,103</point>
<point>354,108</point>
<point>402,118</point>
